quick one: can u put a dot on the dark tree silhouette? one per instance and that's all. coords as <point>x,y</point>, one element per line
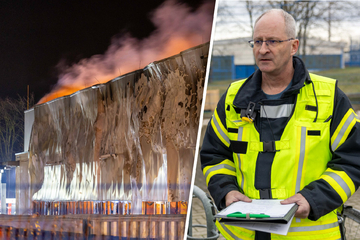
<point>12,126</point>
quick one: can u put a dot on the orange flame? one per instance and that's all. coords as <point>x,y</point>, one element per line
<point>177,30</point>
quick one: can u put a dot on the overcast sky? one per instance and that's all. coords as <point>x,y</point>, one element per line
<point>233,21</point>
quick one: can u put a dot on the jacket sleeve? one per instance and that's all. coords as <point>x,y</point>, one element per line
<point>342,176</point>
<point>216,157</point>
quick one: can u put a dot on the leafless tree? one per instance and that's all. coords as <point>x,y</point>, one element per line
<point>250,8</point>
<point>234,17</point>
<point>336,12</point>
<point>306,13</point>
<point>12,126</point>
<point>319,14</point>
<point>230,18</point>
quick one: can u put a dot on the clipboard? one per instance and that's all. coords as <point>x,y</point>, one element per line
<point>277,213</point>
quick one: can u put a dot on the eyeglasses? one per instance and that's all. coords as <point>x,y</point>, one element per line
<point>269,43</point>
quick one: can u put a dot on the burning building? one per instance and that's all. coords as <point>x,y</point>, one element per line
<point>115,158</point>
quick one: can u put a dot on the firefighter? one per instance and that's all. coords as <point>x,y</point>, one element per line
<point>283,133</point>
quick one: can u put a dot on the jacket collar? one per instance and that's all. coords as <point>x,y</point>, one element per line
<point>251,89</point>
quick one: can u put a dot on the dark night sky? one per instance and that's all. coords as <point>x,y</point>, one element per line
<point>36,35</point>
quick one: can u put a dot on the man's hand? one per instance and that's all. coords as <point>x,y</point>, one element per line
<point>304,207</point>
<point>235,196</point>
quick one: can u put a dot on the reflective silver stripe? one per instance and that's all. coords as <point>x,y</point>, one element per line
<point>240,133</point>
<point>225,137</point>
<point>301,162</point>
<point>340,181</point>
<point>342,131</point>
<point>239,138</point>
<point>301,158</point>
<point>229,232</point>
<point>217,167</point>
<point>279,111</point>
<point>313,228</point>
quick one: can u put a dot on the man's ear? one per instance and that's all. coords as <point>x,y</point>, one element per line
<point>294,46</point>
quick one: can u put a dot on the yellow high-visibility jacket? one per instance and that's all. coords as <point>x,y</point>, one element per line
<point>307,142</point>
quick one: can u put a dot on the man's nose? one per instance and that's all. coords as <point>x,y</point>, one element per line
<point>264,48</point>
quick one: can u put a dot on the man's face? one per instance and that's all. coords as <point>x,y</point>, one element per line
<point>273,60</point>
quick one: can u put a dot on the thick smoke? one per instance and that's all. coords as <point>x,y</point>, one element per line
<point>177,29</point>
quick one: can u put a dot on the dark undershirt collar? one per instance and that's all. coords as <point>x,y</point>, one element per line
<point>278,95</point>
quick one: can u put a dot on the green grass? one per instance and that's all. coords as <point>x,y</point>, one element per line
<point>221,85</point>
<point>348,80</point>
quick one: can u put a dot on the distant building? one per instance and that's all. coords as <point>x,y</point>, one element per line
<point>323,55</point>
<point>233,58</point>
<point>353,55</point>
